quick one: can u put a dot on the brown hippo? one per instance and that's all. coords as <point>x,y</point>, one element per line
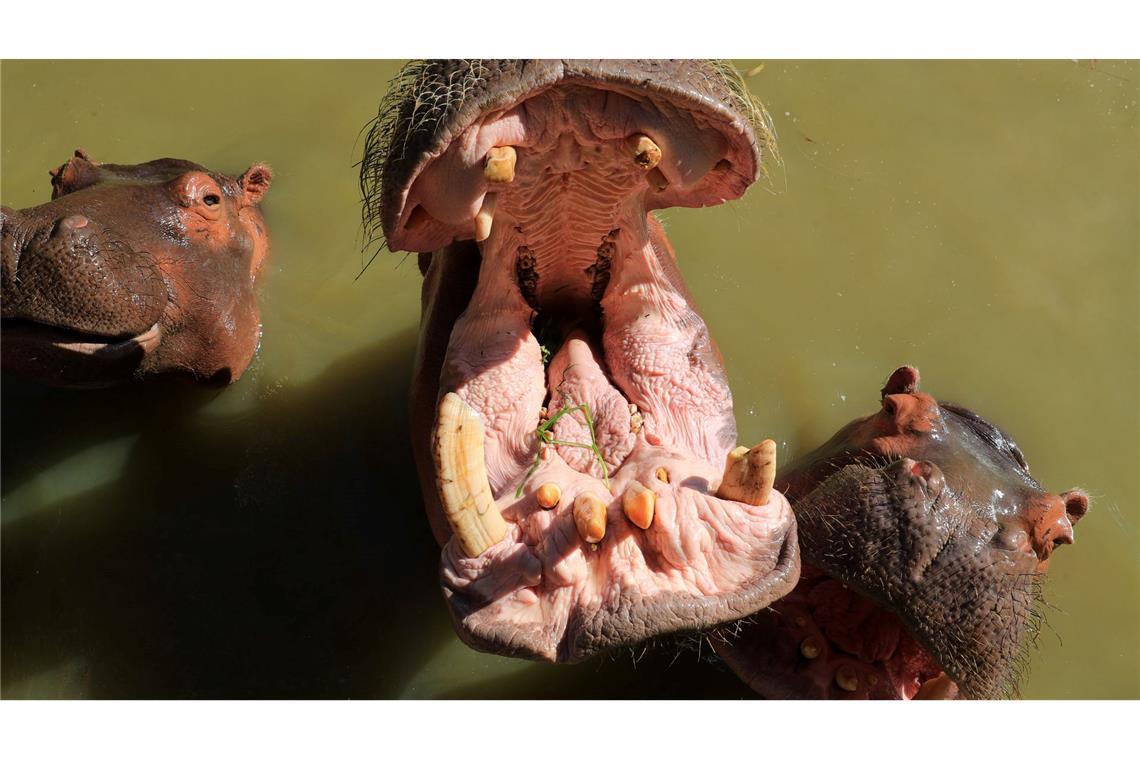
<point>571,419</point>
<point>132,271</point>
<point>924,543</point>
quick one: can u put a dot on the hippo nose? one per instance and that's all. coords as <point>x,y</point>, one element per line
<point>71,223</point>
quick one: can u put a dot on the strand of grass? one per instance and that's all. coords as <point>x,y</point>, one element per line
<point>546,438</point>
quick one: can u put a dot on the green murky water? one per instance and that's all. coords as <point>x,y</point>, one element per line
<point>977,219</point>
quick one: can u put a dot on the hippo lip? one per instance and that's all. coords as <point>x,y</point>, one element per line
<point>26,332</point>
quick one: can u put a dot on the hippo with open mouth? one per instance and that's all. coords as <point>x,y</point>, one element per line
<point>925,541</point>
<point>132,271</point>
<point>571,421</point>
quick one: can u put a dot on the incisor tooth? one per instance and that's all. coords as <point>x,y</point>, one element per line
<point>500,165</point>
<point>461,477</point>
<point>846,679</point>
<point>548,495</point>
<point>810,648</point>
<point>662,474</point>
<point>638,503</point>
<point>485,217</point>
<point>646,154</point>
<point>590,517</point>
<point>749,473</point>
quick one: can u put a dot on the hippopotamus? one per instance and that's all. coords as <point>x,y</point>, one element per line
<point>571,421</point>
<point>132,271</point>
<point>924,541</point>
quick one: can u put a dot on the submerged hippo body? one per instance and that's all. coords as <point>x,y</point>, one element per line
<point>570,413</point>
<point>924,542</point>
<point>132,271</point>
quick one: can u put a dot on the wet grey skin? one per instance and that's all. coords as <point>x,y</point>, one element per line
<point>930,512</point>
<point>713,136</point>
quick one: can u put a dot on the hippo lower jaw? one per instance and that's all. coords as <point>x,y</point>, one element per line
<point>32,349</point>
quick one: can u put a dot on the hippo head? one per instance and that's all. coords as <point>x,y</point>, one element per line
<point>571,420</point>
<point>132,271</point>
<point>925,540</point>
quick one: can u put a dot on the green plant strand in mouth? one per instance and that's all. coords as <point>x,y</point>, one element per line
<point>546,438</point>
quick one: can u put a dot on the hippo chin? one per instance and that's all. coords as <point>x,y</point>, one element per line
<point>133,271</point>
<point>924,541</point>
<point>571,419</point>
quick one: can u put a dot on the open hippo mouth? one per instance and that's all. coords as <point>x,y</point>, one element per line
<point>572,422</point>
<point>925,544</point>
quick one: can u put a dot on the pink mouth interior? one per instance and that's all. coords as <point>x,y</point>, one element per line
<point>571,241</point>
<point>825,641</point>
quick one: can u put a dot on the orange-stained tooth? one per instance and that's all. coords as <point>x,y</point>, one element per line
<point>645,152</point>
<point>590,517</point>
<point>846,678</point>
<point>662,474</point>
<point>749,473</point>
<point>485,217</point>
<point>500,165</point>
<point>638,503</point>
<point>548,495</point>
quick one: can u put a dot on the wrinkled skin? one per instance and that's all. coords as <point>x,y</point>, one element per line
<point>574,256</point>
<point>924,540</point>
<point>133,271</point>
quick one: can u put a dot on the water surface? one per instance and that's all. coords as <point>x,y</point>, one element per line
<point>976,219</point>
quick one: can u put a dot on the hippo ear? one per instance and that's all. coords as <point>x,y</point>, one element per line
<point>902,380</point>
<point>77,173</point>
<point>255,183</point>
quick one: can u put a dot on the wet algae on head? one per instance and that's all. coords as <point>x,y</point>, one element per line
<point>976,219</point>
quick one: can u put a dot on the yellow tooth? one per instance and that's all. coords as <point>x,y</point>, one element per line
<point>645,152</point>
<point>657,180</point>
<point>485,217</point>
<point>638,504</point>
<point>499,167</point>
<point>548,495</point>
<point>749,473</point>
<point>809,648</point>
<point>590,517</point>
<point>662,474</point>
<point>846,679</point>
<point>461,477</point>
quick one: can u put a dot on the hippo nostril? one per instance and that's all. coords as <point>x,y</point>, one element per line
<point>1076,504</point>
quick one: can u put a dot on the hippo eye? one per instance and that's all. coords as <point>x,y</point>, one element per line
<point>211,200</point>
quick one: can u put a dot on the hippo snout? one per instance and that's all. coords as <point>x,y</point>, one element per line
<point>71,273</point>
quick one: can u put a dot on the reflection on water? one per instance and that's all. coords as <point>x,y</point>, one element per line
<point>976,219</point>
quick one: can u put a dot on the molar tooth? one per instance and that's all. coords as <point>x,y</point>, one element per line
<point>499,167</point>
<point>810,648</point>
<point>548,495</point>
<point>657,180</point>
<point>461,477</point>
<point>749,473</point>
<point>646,154</point>
<point>846,678</point>
<point>638,503</point>
<point>590,517</point>
<point>662,474</point>
<point>485,217</point>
